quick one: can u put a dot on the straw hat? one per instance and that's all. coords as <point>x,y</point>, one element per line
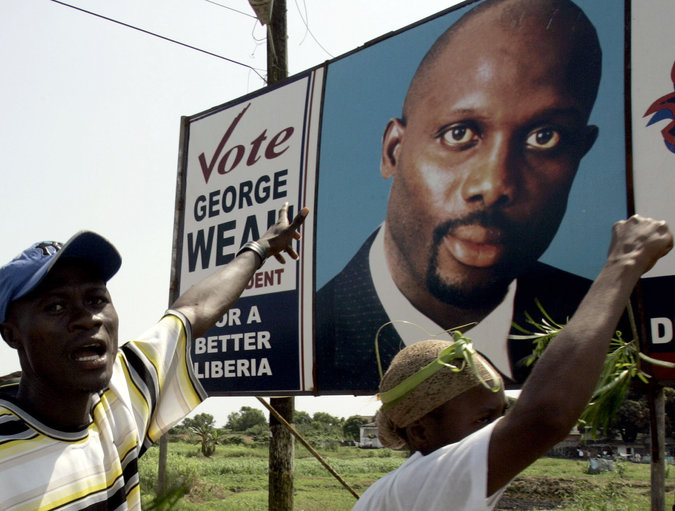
<point>440,384</point>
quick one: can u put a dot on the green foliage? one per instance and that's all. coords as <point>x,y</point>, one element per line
<point>202,425</point>
<point>631,418</point>
<point>181,478</point>
<point>321,430</point>
<point>260,433</point>
<point>326,419</point>
<point>246,418</point>
<point>351,429</point>
<point>300,417</point>
<point>620,369</point>
<point>236,478</point>
<point>612,497</point>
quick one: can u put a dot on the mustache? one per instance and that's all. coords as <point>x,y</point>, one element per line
<point>492,220</point>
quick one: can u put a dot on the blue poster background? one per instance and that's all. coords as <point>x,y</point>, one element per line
<point>365,89</point>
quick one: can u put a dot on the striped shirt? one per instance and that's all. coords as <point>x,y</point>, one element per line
<point>152,388</point>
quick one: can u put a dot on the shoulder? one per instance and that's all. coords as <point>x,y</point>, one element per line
<point>430,482</point>
<point>355,270</point>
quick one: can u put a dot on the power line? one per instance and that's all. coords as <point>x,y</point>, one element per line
<point>162,37</point>
<point>231,9</point>
<point>305,21</point>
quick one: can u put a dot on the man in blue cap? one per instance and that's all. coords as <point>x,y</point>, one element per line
<point>73,427</point>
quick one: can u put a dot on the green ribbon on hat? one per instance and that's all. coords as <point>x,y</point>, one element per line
<point>462,350</point>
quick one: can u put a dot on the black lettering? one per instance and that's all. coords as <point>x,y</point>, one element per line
<point>200,208</point>
<point>278,192</point>
<point>213,203</point>
<point>251,231</point>
<point>199,248</point>
<point>262,190</point>
<point>224,242</point>
<point>245,188</point>
<point>229,198</point>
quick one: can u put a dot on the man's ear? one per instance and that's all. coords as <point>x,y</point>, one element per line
<point>391,143</point>
<point>8,332</point>
<point>416,436</point>
<point>589,137</point>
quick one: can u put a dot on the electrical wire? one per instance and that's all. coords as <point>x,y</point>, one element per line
<point>305,21</point>
<point>161,37</point>
<point>231,9</point>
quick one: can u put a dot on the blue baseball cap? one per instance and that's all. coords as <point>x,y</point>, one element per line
<point>25,272</point>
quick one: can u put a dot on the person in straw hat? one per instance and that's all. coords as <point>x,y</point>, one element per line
<point>449,411</point>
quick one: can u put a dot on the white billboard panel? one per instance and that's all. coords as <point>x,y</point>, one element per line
<point>653,136</point>
<point>242,163</point>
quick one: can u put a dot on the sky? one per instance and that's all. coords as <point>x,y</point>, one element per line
<point>92,114</point>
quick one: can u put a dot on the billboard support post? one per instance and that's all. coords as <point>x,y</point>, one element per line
<point>657,423</point>
<point>282,442</point>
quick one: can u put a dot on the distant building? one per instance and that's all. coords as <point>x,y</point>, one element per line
<point>368,438</point>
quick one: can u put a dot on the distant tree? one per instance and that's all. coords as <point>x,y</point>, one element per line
<point>631,419</point>
<point>203,425</point>
<point>326,419</point>
<point>351,428</point>
<point>245,419</point>
<point>300,417</point>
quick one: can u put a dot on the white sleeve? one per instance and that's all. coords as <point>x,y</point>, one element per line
<point>452,477</point>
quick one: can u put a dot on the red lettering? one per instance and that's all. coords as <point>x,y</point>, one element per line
<point>266,278</point>
<point>277,140</point>
<point>229,159</point>
<point>208,168</point>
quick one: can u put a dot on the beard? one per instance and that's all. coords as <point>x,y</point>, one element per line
<point>471,296</point>
<point>490,289</point>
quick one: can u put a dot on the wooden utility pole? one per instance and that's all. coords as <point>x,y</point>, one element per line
<point>281,457</point>
<point>282,441</point>
<point>277,48</point>
<point>656,399</point>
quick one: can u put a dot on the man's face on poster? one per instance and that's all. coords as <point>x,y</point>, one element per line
<point>483,163</point>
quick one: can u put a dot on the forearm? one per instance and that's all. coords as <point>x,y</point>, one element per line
<point>208,300</point>
<point>564,379</point>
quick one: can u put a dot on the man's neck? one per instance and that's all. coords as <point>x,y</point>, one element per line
<point>60,411</point>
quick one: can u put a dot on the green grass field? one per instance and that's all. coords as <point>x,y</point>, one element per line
<point>235,479</point>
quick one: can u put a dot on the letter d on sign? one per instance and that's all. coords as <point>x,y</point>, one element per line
<point>662,330</point>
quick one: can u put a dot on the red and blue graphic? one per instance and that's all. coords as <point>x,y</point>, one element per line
<point>664,108</point>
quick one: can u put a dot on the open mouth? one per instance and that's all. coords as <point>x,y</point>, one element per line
<point>89,352</point>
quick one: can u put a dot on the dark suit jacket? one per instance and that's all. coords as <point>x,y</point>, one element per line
<point>349,313</point>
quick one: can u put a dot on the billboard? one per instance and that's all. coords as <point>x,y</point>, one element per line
<point>653,139</point>
<point>240,165</point>
<point>460,195</point>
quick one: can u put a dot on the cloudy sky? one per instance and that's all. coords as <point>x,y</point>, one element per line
<point>92,111</point>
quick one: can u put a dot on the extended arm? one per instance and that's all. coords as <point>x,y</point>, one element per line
<point>565,377</point>
<point>206,302</point>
